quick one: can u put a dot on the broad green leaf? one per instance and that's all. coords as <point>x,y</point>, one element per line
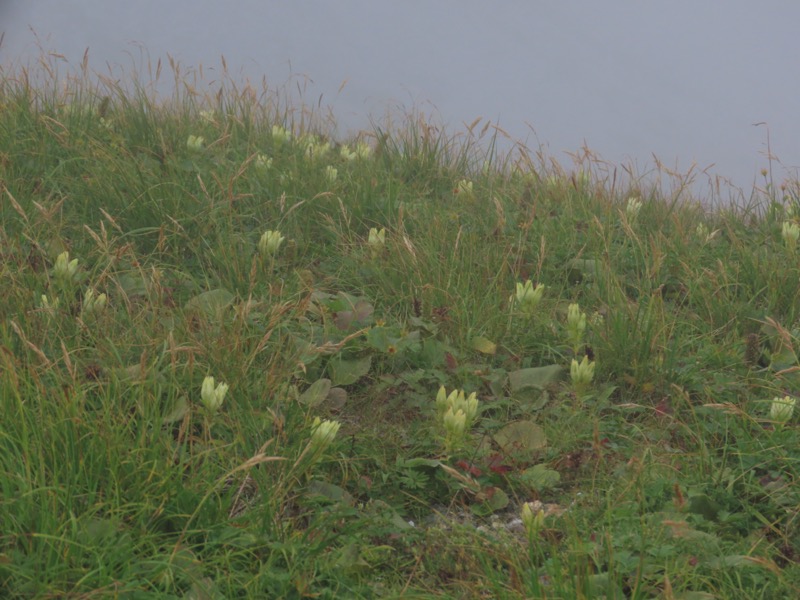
<point>579,269</point>
<point>337,398</point>
<point>347,371</point>
<point>211,303</point>
<point>330,491</point>
<point>703,505</point>
<point>378,338</point>
<point>783,359</point>
<point>177,411</point>
<point>349,560</point>
<point>521,439</point>
<point>540,478</point>
<point>496,500</point>
<point>602,585</point>
<point>741,560</point>
<point>535,377</point>
<point>306,351</point>
<point>497,381</point>
<point>351,311</point>
<point>132,285</point>
<point>316,393</point>
<point>484,345</point>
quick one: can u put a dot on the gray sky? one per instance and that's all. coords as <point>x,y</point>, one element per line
<point>684,80</point>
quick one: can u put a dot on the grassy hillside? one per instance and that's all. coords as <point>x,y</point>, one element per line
<point>627,363</point>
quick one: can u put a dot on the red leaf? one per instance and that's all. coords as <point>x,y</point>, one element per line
<point>496,466</point>
<point>469,468</point>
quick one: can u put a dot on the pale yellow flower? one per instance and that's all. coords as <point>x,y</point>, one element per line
<point>323,433</point>
<point>65,269</point>
<point>212,395</point>
<point>376,241</point>
<point>195,143</point>
<point>581,373</point>
<point>782,409</point>
<point>270,243</point>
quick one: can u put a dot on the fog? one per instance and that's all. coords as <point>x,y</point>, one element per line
<point>698,85</point>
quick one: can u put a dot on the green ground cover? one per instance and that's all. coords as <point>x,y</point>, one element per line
<point>626,361</point>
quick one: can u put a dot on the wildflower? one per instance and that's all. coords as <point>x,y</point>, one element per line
<point>582,178</point>
<point>376,241</point>
<point>457,413</point>
<point>212,396</point>
<point>552,182</point>
<point>195,143</point>
<point>790,233</point>
<point>323,433</point>
<point>782,409</point>
<point>455,424</point>
<point>581,373</point>
<point>442,402</point>
<point>331,173</point>
<point>464,187</point>
<point>280,135</point>
<point>632,208</point>
<point>532,519</point>
<point>528,297</point>
<point>467,405</point>
<point>263,163</point>
<point>92,303</point>
<point>270,243</point>
<point>576,324</point>
<point>65,269</point>
<point>316,149</point>
<point>347,154</point>
<point>48,306</point>
<point>363,150</point>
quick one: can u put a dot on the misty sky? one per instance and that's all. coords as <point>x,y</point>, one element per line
<point>685,80</point>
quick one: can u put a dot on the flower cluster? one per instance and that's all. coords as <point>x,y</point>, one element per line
<point>270,243</point>
<point>704,234</point>
<point>457,413</point>
<point>782,409</point>
<point>195,143</point>
<point>212,395</point>
<point>790,233</point>
<point>376,242</point>
<point>361,152</point>
<point>93,304</point>
<point>331,173</point>
<point>65,270</point>
<point>263,163</point>
<point>280,135</point>
<point>464,188</point>
<point>532,515</point>
<point>316,149</point>
<point>323,433</point>
<point>528,297</point>
<point>576,325</point>
<point>581,374</point>
<point>632,209</point>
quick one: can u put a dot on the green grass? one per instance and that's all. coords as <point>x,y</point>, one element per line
<point>665,476</point>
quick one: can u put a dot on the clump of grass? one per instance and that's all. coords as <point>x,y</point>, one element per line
<point>623,362</point>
